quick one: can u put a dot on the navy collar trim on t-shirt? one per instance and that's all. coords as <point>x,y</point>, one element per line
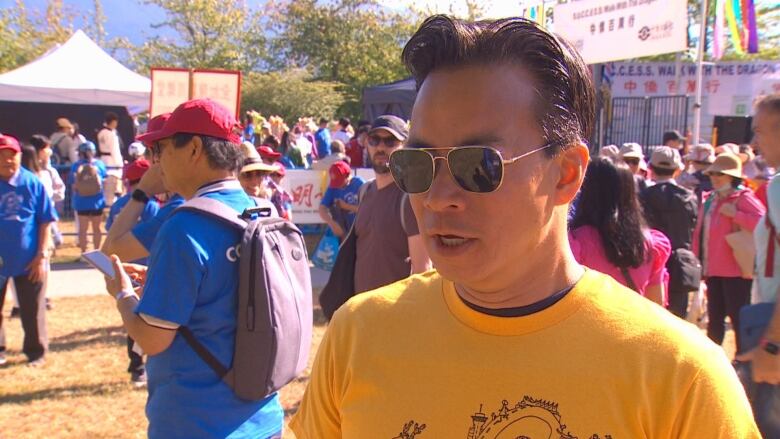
<point>520,310</point>
<point>219,185</point>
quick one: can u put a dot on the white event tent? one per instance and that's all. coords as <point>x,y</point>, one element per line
<point>77,72</point>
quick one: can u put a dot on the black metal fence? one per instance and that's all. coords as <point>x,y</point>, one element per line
<point>645,119</point>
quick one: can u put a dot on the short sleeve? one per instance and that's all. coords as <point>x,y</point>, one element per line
<point>408,219</point>
<point>177,266</point>
<point>319,415</point>
<point>150,210</point>
<point>715,405</point>
<point>146,231</point>
<point>45,213</point>
<point>112,213</point>
<point>773,200</point>
<point>102,167</point>
<point>660,250</point>
<point>329,197</point>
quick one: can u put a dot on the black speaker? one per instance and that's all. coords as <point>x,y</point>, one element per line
<point>733,129</point>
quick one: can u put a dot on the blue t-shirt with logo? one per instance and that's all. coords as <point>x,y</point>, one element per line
<point>92,202</point>
<point>193,281</point>
<point>349,193</point>
<point>146,230</point>
<point>24,209</point>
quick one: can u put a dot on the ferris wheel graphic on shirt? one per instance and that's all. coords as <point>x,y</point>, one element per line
<point>527,419</point>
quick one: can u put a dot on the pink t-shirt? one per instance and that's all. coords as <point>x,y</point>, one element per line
<point>586,245</point>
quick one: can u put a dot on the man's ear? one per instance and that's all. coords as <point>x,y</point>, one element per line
<point>573,162</point>
<point>196,149</point>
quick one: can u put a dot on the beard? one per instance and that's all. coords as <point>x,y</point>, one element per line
<point>380,166</point>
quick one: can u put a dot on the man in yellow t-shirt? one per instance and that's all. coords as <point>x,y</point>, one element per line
<point>510,337</point>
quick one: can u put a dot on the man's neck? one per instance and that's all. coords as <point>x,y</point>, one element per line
<point>205,178</point>
<point>664,179</point>
<point>384,180</point>
<point>551,270</point>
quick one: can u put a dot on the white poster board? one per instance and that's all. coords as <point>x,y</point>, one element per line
<point>613,30</point>
<point>307,188</point>
<point>222,86</point>
<point>170,87</point>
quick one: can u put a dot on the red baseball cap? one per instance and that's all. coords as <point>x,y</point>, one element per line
<point>156,124</point>
<point>198,116</point>
<point>280,169</point>
<point>8,142</point>
<point>267,152</point>
<point>339,174</point>
<point>134,171</point>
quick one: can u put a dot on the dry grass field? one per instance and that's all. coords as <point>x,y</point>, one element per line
<point>84,391</point>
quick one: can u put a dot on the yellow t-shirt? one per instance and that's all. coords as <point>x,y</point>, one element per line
<point>411,360</point>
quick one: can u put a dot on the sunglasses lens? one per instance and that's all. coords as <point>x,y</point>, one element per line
<point>412,170</point>
<point>476,169</point>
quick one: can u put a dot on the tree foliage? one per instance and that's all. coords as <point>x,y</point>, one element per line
<point>225,34</point>
<point>354,42</point>
<point>29,34</point>
<point>290,94</point>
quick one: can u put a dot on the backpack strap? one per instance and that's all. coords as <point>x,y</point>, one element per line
<point>215,209</point>
<point>629,280</point>
<point>202,352</point>
<point>769,268</point>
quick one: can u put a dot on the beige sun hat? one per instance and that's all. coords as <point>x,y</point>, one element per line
<point>253,161</point>
<point>727,164</point>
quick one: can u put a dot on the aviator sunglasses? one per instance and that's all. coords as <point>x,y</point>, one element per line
<point>477,169</point>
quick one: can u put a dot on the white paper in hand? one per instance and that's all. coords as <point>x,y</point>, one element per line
<point>101,261</point>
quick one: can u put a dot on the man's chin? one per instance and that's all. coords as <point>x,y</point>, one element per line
<point>381,169</point>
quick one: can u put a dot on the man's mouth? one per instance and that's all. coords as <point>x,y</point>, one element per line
<point>451,240</point>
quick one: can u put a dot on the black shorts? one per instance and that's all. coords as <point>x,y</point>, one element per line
<point>90,212</point>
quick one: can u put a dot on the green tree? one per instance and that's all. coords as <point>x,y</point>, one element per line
<point>28,34</point>
<point>224,34</point>
<point>356,43</point>
<point>290,94</point>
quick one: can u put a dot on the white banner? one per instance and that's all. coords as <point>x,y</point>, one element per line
<point>728,88</point>
<point>307,188</point>
<point>612,30</point>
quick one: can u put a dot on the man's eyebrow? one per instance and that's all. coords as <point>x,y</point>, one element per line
<point>482,139</point>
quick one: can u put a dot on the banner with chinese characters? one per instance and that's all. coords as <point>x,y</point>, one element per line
<point>613,30</point>
<point>222,86</point>
<point>171,87</point>
<point>728,88</point>
<point>307,188</point>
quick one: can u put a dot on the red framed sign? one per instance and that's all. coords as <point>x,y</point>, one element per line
<point>172,86</point>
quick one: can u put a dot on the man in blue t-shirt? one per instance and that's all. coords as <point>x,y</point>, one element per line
<point>192,281</point>
<point>338,207</point>
<point>132,176</point>
<point>322,138</point>
<point>25,214</point>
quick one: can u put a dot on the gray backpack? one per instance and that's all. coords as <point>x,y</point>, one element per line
<point>273,332</point>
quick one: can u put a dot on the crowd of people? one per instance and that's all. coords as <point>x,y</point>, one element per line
<point>510,291</point>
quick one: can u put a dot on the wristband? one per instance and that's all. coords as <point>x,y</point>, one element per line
<point>769,347</point>
<point>140,196</point>
<point>125,294</point>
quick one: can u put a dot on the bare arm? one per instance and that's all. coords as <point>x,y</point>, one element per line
<point>655,293</point>
<point>421,262</point>
<point>153,340</point>
<point>120,240</point>
<point>328,219</point>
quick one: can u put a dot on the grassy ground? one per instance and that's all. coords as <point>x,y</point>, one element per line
<point>84,389</point>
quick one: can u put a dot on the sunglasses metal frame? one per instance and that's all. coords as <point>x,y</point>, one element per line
<point>449,150</point>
